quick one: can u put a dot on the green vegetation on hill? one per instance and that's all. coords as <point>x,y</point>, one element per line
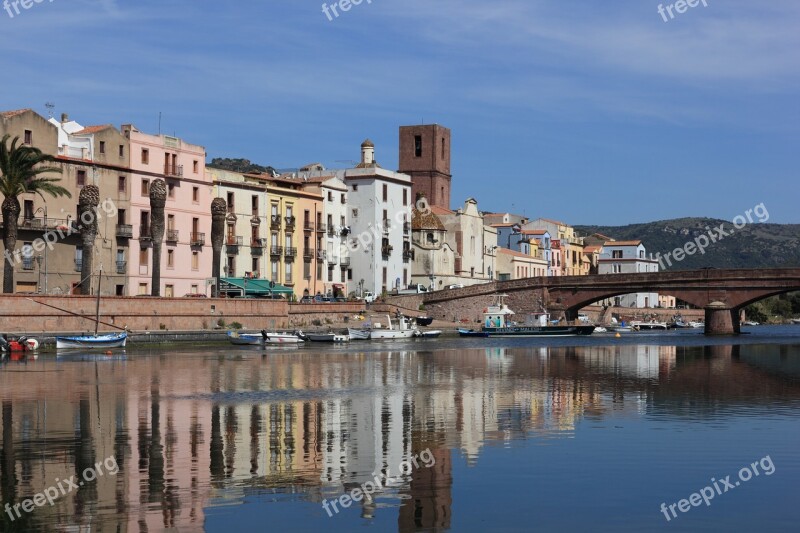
<point>755,245</point>
<point>240,165</point>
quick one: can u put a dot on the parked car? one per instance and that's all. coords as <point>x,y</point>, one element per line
<point>368,297</point>
<point>418,288</point>
<point>456,286</point>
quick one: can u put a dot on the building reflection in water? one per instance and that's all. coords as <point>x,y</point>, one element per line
<point>194,431</point>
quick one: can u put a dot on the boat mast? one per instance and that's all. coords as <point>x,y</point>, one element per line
<point>97,307</point>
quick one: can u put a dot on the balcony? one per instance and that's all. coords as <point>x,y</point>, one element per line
<point>42,224</point>
<point>232,244</point>
<point>276,251</point>
<point>332,260</point>
<point>308,226</point>
<point>122,267</point>
<point>322,255</point>
<point>344,261</point>
<point>321,228</point>
<point>255,219</point>
<point>406,228</point>
<point>290,222</point>
<point>256,247</point>
<point>308,254</point>
<point>290,253</point>
<point>197,239</point>
<point>144,233</point>
<point>386,251</point>
<point>173,171</point>
<point>172,235</point>
<point>28,263</point>
<point>408,255</point>
<point>125,231</point>
<point>331,231</point>
<point>386,227</point>
<point>275,222</point>
<point>78,265</point>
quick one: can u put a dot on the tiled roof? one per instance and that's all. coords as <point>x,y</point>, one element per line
<point>515,253</point>
<point>436,210</point>
<point>593,248</point>
<point>623,243</point>
<point>552,221</point>
<point>14,113</point>
<point>93,129</point>
<point>534,231</point>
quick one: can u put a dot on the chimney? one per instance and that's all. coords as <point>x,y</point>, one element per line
<point>367,152</point>
<point>64,118</point>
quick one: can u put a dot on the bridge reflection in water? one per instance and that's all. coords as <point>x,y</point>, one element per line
<point>195,431</point>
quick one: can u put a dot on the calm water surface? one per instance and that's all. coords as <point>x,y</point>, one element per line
<point>582,434</point>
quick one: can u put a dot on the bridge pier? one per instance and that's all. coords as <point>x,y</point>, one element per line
<point>722,319</point>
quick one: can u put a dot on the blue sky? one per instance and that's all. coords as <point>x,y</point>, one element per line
<point>585,111</point>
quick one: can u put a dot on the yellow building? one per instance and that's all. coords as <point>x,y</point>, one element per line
<point>295,235</point>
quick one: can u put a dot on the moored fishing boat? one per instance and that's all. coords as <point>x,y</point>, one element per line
<point>497,323</point>
<point>429,334</point>
<point>462,332</point>
<point>282,338</point>
<point>649,326</point>
<point>108,340</point>
<point>328,337</point>
<point>358,334</point>
<point>245,339</point>
<point>404,330</point>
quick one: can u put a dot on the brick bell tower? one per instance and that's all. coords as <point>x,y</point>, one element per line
<point>425,156</point>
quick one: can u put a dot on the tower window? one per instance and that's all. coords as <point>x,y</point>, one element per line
<point>418,145</point>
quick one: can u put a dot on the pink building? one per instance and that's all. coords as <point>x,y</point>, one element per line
<point>186,251</point>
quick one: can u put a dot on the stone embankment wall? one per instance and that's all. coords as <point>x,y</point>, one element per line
<point>22,313</point>
<point>312,316</point>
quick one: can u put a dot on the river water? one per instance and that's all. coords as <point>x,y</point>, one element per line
<point>575,434</point>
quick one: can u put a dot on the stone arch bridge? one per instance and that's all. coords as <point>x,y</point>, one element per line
<point>721,292</point>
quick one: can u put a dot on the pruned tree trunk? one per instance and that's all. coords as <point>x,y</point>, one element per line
<point>11,210</point>
<point>158,199</point>
<point>88,201</point>
<point>219,209</point>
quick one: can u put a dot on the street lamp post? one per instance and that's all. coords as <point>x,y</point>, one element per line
<point>47,245</point>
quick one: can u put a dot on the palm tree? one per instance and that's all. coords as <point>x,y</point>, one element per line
<point>88,201</point>
<point>21,171</point>
<point>158,199</point>
<point>219,209</point>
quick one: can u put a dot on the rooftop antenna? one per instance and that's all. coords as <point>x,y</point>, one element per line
<point>50,106</point>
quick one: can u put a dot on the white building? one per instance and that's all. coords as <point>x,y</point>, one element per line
<point>379,204</point>
<point>628,257</point>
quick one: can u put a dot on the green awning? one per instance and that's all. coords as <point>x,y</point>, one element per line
<point>259,288</point>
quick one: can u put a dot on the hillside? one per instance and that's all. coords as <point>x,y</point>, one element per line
<point>240,165</point>
<point>753,246</point>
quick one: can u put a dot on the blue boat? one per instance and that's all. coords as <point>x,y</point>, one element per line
<point>109,340</point>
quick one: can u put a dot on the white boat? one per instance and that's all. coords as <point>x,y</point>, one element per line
<point>696,325</point>
<point>429,333</point>
<point>652,325</point>
<point>752,323</point>
<point>404,330</point>
<point>600,329</point>
<point>109,340</point>
<point>796,321</point>
<point>358,334</point>
<point>327,337</point>
<point>282,338</point>
<point>245,339</point>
